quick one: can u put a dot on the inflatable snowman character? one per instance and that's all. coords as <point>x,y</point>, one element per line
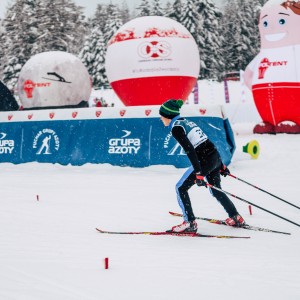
<point>274,74</point>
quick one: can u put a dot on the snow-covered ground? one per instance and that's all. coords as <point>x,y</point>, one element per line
<point>50,250</point>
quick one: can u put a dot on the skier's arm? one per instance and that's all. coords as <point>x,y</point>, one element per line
<point>179,134</point>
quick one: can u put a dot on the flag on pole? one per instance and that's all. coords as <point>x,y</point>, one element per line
<point>227,100</point>
<point>196,94</point>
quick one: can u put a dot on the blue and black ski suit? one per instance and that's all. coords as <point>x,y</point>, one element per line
<point>204,158</point>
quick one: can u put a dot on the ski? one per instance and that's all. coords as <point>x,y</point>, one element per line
<point>186,234</point>
<point>222,222</point>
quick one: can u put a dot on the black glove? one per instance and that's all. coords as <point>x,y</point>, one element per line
<point>200,180</point>
<point>224,171</point>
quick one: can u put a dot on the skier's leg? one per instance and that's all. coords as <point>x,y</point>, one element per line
<point>214,179</point>
<point>183,185</point>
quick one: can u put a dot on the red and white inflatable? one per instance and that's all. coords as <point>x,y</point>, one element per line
<point>54,79</point>
<point>152,59</point>
<point>274,74</point>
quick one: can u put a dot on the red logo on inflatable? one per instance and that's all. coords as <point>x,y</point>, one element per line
<point>29,86</point>
<point>128,34</point>
<point>154,49</point>
<point>265,64</point>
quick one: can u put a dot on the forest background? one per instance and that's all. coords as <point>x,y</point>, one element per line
<point>227,35</point>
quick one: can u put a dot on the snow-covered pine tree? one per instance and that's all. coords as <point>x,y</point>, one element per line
<point>210,50</point>
<point>93,57</point>
<point>99,72</point>
<point>191,20</point>
<point>175,11</point>
<point>241,36</point>
<point>156,10</point>
<point>144,9</point>
<point>113,24</point>
<point>231,34</point>
<point>19,40</point>
<point>168,8</point>
<point>99,18</point>
<point>249,27</point>
<point>263,2</point>
<point>86,55</point>
<point>63,26</point>
<point>124,12</point>
<point>1,48</point>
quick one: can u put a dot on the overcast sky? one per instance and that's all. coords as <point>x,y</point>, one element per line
<point>90,5</point>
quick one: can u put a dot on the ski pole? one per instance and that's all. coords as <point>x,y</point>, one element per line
<point>263,190</point>
<point>239,198</point>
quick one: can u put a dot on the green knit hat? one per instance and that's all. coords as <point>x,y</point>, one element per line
<point>170,109</point>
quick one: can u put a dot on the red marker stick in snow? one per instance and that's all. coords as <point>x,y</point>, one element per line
<point>106,263</point>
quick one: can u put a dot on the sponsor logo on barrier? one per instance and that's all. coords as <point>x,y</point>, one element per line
<point>46,142</point>
<point>124,145</point>
<point>30,116</point>
<point>172,147</point>
<point>9,117</point>
<point>98,113</point>
<point>74,114</point>
<point>6,146</point>
<point>51,115</point>
<point>202,111</point>
<point>122,112</point>
<point>147,112</point>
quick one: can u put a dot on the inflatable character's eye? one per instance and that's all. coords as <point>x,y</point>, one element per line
<point>281,21</point>
<point>265,24</point>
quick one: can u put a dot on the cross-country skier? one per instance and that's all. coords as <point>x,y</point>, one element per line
<point>206,166</point>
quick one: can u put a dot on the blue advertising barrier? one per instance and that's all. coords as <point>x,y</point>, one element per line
<point>133,136</point>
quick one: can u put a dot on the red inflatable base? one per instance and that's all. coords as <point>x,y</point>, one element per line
<point>277,102</point>
<point>153,90</point>
<point>287,127</point>
<point>283,127</point>
<point>264,127</point>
